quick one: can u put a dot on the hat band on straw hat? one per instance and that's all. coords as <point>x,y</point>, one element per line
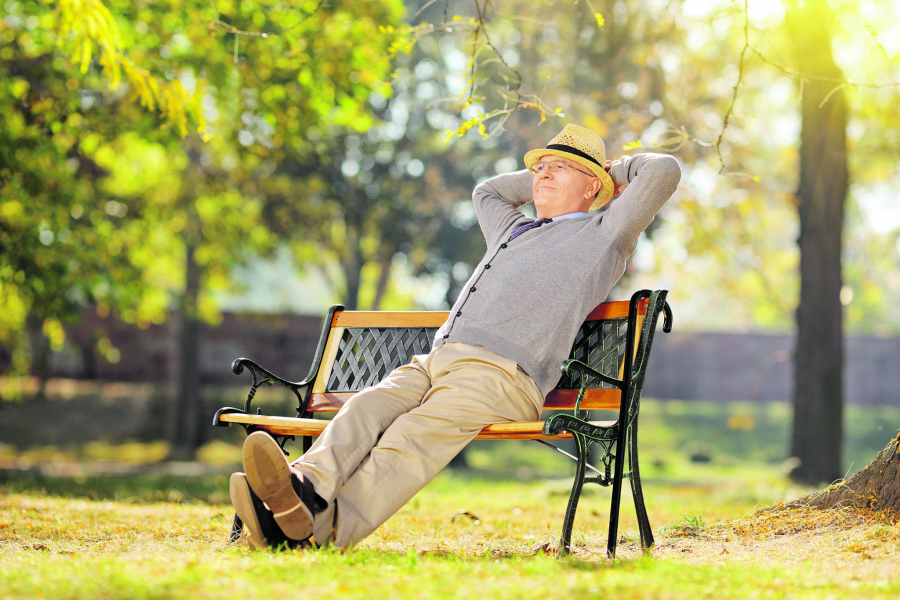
<point>573,150</point>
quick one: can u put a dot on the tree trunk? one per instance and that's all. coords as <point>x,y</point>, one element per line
<point>40,354</point>
<point>876,487</point>
<point>352,263</point>
<point>186,435</point>
<point>384,278</point>
<point>818,360</point>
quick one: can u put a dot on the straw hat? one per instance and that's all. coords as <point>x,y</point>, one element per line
<point>584,147</point>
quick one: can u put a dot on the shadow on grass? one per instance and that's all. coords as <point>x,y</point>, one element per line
<point>411,559</point>
<point>127,488</point>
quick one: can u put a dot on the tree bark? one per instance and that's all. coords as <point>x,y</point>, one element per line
<point>876,487</point>
<point>352,262</point>
<point>822,190</point>
<point>187,420</point>
<point>40,354</point>
<point>186,435</point>
<point>384,278</point>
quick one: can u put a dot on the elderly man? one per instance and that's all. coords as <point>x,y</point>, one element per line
<point>494,360</point>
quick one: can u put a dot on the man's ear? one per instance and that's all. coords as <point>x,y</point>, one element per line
<point>594,188</point>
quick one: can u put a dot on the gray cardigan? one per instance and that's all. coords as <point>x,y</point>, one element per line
<point>528,297</point>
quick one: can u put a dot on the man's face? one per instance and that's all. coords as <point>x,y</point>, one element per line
<point>563,192</point>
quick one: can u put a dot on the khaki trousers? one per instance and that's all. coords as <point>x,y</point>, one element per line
<point>391,439</point>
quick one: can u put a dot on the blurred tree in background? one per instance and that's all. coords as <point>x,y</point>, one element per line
<point>817,436</point>
<point>156,227</point>
<point>327,137</point>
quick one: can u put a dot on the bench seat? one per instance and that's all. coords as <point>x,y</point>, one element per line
<point>517,430</point>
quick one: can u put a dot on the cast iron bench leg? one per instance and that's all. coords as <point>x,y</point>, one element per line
<point>616,501</point>
<point>237,530</point>
<point>569,520</point>
<point>636,492</point>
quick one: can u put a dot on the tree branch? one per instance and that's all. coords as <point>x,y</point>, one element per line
<point>736,87</point>
<point>217,22</point>
<point>678,142</point>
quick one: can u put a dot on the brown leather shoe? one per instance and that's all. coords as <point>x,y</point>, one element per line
<point>259,523</point>
<point>269,476</point>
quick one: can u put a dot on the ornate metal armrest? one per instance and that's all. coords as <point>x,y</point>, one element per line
<point>585,371</point>
<point>563,422</point>
<point>262,376</point>
<point>224,411</point>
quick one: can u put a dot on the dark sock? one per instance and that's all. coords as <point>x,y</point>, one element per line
<point>307,493</point>
<point>275,538</point>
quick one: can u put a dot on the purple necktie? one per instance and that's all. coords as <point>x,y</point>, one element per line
<point>523,228</point>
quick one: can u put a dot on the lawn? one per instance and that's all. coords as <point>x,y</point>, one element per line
<point>477,533</point>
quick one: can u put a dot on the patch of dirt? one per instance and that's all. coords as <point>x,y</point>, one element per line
<point>839,544</point>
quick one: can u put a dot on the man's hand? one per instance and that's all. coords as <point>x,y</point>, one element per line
<point>619,188</point>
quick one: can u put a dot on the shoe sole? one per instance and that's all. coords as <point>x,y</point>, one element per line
<point>269,475</point>
<point>239,490</point>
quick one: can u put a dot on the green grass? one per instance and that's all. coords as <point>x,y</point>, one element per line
<point>54,547</point>
<point>367,575</point>
<point>707,468</point>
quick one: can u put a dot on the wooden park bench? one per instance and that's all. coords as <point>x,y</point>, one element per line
<point>605,371</point>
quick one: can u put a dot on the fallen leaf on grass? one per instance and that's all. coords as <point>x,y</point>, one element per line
<point>40,547</point>
<point>464,513</point>
<point>544,549</point>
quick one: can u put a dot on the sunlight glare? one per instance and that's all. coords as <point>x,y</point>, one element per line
<point>878,204</point>
<point>765,13</point>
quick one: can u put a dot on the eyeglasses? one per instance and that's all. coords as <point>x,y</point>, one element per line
<point>554,166</point>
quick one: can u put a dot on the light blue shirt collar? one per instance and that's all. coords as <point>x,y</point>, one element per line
<point>573,215</point>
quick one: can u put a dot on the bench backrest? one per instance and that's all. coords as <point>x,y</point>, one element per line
<point>363,347</point>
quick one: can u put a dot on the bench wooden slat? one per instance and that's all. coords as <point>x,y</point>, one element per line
<point>601,399</point>
<point>522,430</point>
<point>615,310</point>
<point>328,401</point>
<point>331,350</point>
<point>361,318</point>
<point>354,318</point>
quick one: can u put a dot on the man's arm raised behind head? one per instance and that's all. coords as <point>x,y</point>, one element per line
<point>497,201</point>
<point>651,181</point>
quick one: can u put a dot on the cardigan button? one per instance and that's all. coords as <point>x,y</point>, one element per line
<point>472,289</point>
<point>503,246</point>
<point>487,267</point>
<point>459,313</point>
